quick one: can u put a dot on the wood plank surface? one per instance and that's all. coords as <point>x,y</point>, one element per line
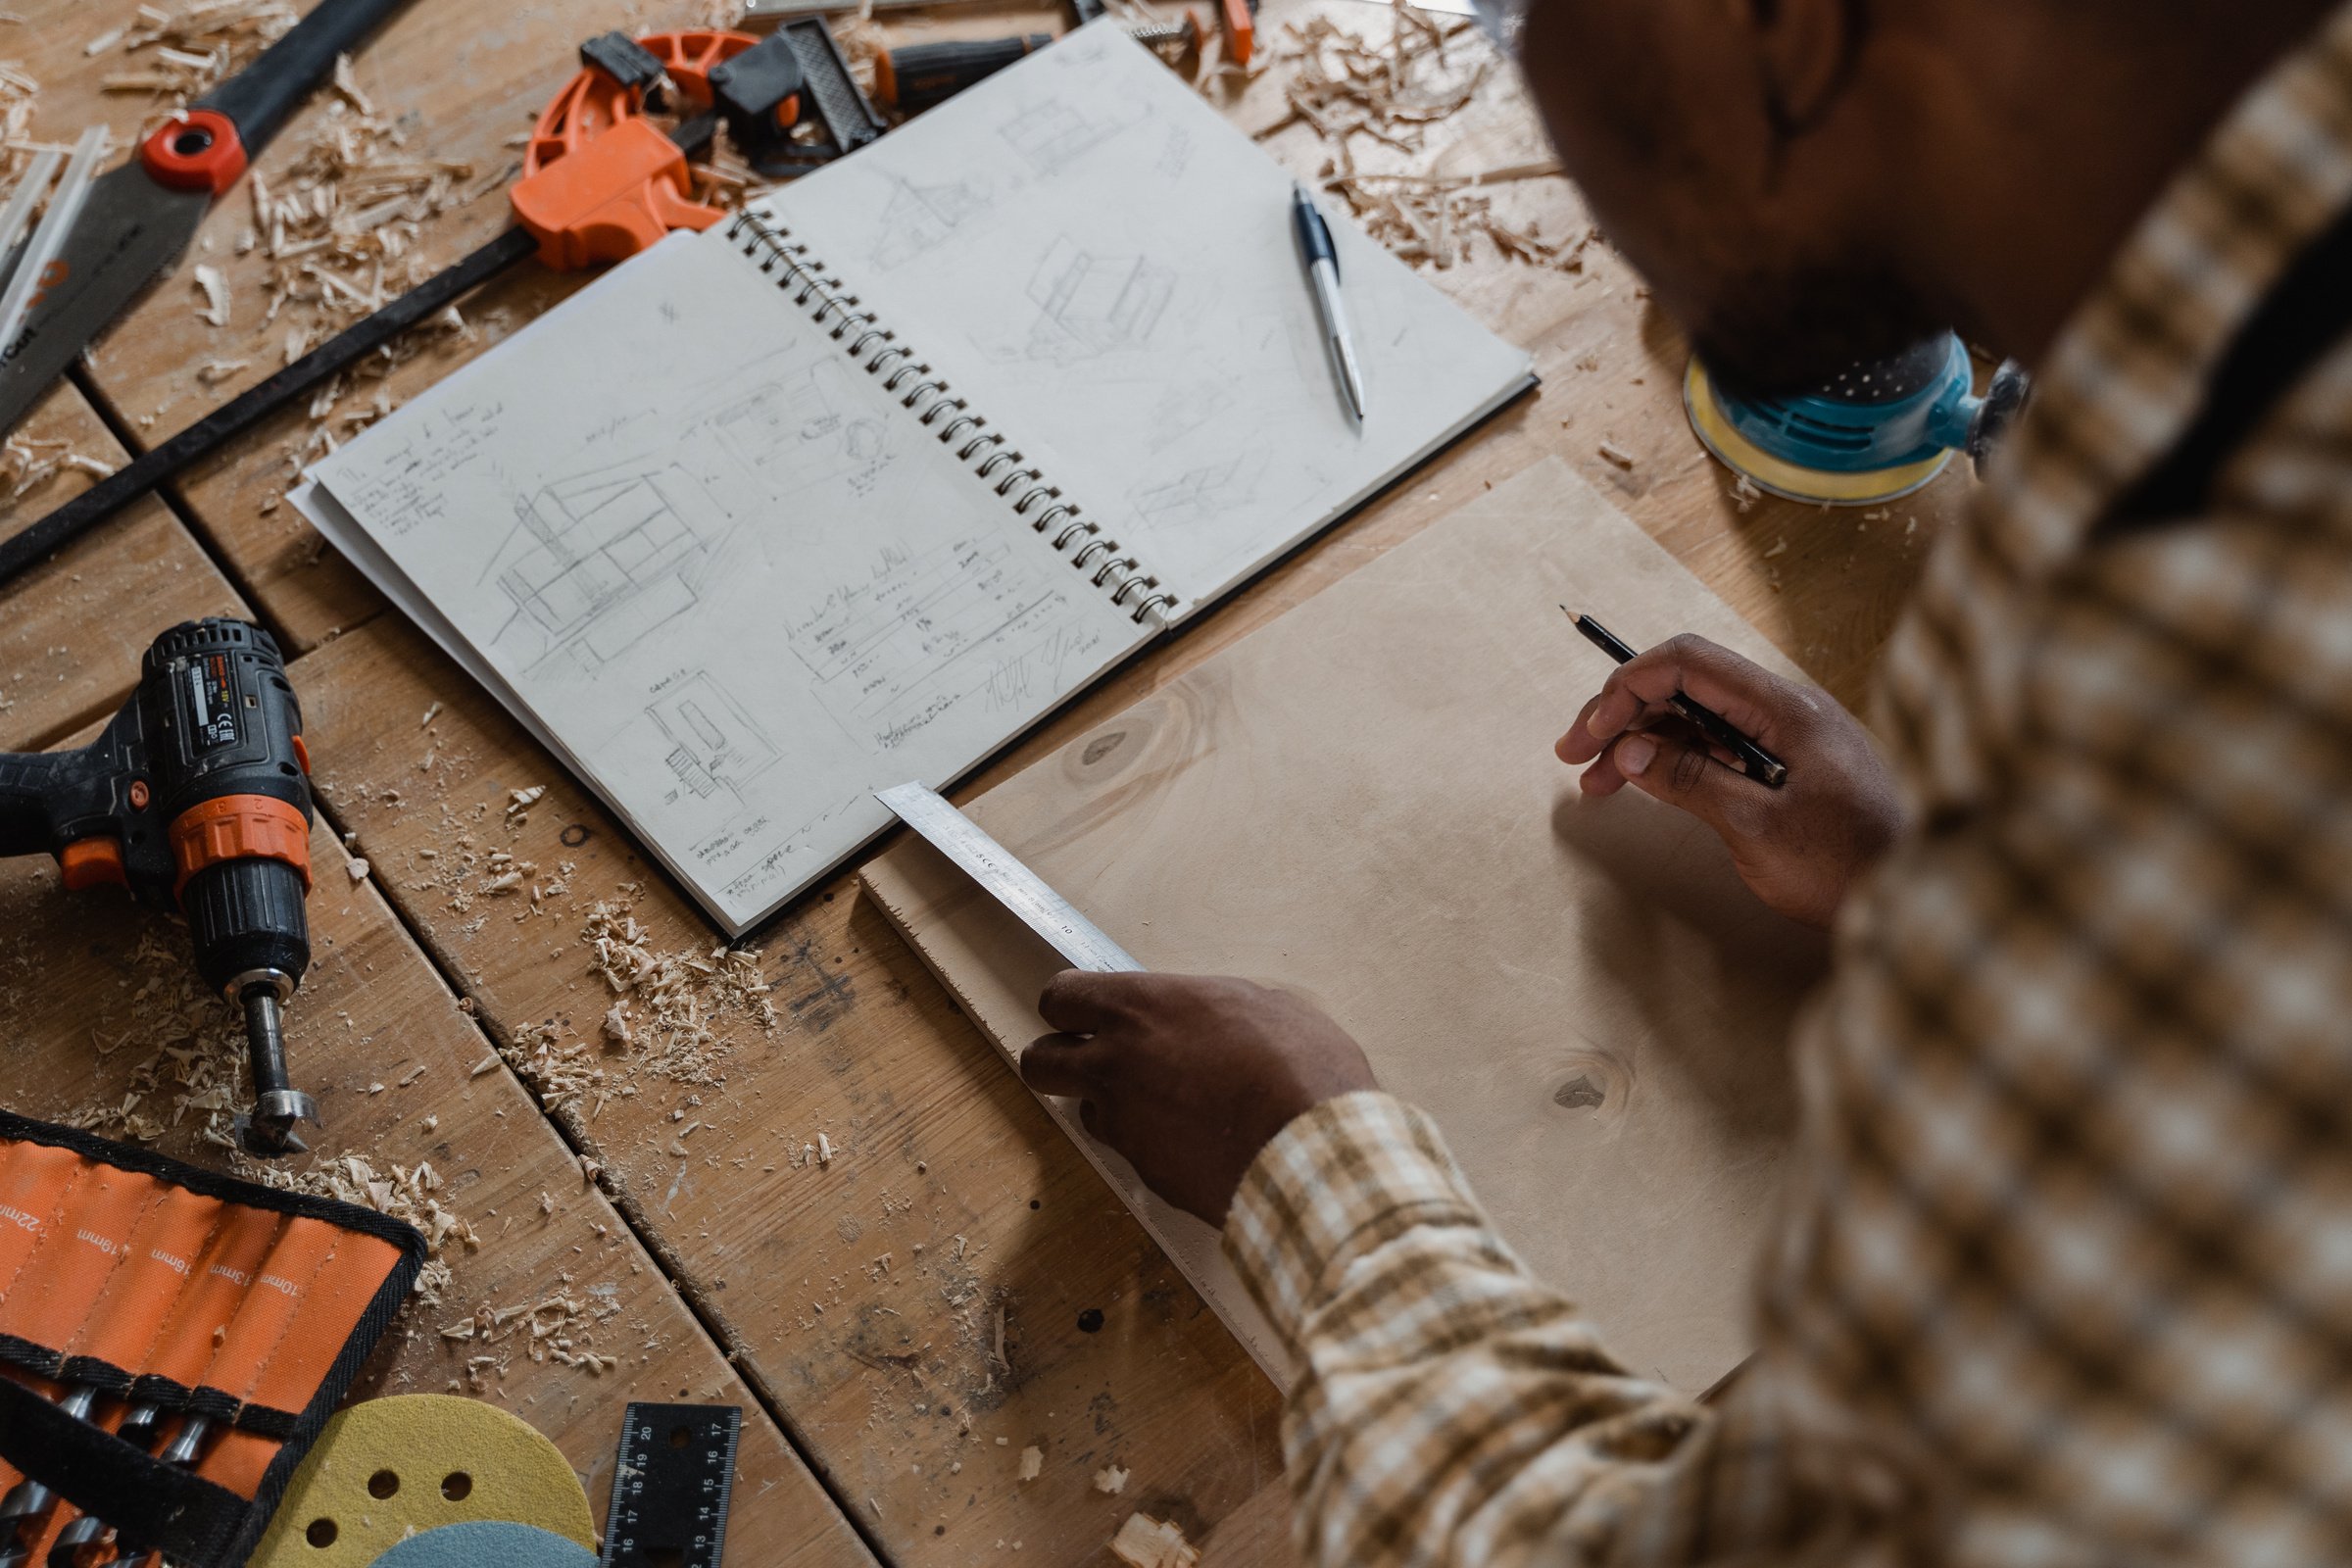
<point>950,1287</point>
<point>93,989</point>
<point>882,1359</point>
<point>73,628</point>
<point>1581,994</point>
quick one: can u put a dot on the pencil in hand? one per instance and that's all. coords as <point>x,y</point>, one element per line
<point>1754,761</point>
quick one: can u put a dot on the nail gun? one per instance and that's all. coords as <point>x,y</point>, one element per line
<point>197,797</point>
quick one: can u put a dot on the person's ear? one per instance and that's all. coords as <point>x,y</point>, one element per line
<point>1804,52</point>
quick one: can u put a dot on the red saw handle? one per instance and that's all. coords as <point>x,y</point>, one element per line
<point>208,147</point>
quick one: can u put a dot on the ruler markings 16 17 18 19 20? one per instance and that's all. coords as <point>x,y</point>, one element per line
<point>671,1480</point>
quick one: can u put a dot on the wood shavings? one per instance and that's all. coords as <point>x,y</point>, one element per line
<point>28,462</point>
<point>679,1001</point>
<point>1033,1463</point>
<point>1144,1541</point>
<point>211,372</point>
<point>1347,85</point>
<point>559,1327</point>
<point>1611,452</point>
<point>190,1075</point>
<point>185,49</point>
<point>1110,1480</point>
<point>215,294</point>
<point>406,1192</point>
<point>356,868</point>
<point>824,1150</point>
<point>564,1070</point>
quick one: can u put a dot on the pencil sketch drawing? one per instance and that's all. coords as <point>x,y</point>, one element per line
<point>795,432</point>
<point>920,216</point>
<point>1049,135</point>
<point>1089,305</point>
<point>596,563</point>
<point>715,745</point>
<point>1200,493</point>
<point>880,651</point>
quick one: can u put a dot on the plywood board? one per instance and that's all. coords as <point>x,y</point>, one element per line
<point>1360,803</point>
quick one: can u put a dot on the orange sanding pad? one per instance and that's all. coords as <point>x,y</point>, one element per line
<point>393,1468</point>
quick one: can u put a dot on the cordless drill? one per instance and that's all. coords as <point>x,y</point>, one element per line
<point>197,797</point>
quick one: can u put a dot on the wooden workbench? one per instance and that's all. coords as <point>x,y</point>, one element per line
<point>954,1285</point>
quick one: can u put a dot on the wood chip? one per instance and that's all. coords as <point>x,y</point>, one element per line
<point>356,868</point>
<point>1616,454</point>
<point>1144,1541</point>
<point>1033,1462</point>
<point>1110,1480</point>
<point>215,294</point>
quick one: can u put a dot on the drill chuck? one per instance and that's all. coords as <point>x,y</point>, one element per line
<point>247,917</point>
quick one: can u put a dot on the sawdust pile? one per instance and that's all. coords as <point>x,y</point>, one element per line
<point>672,1008</point>
<point>20,95</point>
<point>343,234</point>
<point>190,1075</point>
<point>672,1016</point>
<point>406,1192</point>
<point>28,462</point>
<point>1345,85</point>
<point>180,51</point>
<point>559,1328</point>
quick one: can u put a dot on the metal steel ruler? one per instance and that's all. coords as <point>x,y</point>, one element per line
<point>670,1483</point>
<point>1006,880</point>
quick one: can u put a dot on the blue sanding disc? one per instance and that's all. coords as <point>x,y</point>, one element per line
<point>487,1541</point>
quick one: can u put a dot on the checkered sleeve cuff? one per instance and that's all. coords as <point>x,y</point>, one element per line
<point>1332,1185</point>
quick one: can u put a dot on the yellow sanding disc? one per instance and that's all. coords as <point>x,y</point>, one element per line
<point>392,1468</point>
<point>1777,476</point>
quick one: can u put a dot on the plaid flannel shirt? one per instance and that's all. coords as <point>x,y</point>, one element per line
<point>2063,1271</point>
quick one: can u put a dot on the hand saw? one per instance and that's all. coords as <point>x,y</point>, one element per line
<point>138,220</point>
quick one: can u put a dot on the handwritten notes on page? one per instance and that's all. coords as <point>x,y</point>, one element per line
<point>1081,241</point>
<point>721,571</point>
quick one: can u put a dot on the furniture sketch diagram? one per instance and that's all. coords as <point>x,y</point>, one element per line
<point>794,431</point>
<point>877,650</point>
<point>917,218</point>
<point>596,563</point>
<point>1049,135</point>
<point>1200,493</point>
<point>714,745</point>
<point>1089,305</point>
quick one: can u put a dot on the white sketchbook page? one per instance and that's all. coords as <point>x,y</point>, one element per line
<point>743,586</point>
<point>1087,249</point>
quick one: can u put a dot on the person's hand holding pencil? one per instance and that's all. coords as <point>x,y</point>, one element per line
<point>1798,846</point>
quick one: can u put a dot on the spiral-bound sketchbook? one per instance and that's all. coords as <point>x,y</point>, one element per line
<point>858,485</point>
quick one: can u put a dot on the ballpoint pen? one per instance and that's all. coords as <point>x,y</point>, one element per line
<point>1754,761</point>
<point>1323,270</point>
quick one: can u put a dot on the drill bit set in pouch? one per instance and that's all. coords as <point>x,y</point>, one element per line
<point>172,1340</point>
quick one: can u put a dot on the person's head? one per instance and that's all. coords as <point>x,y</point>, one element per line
<point>1808,182</point>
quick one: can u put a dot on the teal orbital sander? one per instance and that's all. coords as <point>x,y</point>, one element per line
<point>1873,432</point>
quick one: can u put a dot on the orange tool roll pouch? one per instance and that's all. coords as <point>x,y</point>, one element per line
<point>189,1302</point>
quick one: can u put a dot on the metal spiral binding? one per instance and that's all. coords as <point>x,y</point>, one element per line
<point>805,274</point>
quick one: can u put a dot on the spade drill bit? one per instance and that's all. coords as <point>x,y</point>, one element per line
<point>29,1503</point>
<point>269,1130</point>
